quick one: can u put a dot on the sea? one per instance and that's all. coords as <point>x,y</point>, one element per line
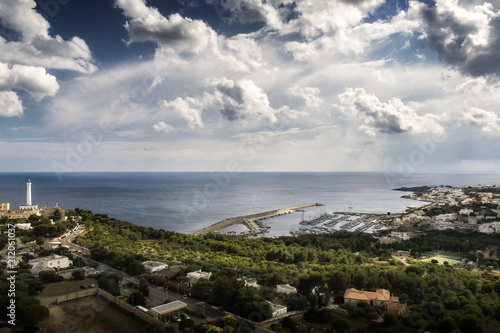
<point>190,201</point>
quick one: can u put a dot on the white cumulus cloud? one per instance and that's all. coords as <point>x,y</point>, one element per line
<point>35,80</point>
<point>188,109</point>
<point>29,50</point>
<point>242,100</point>
<point>390,117</point>
<point>10,105</point>
<point>148,24</point>
<point>310,95</point>
<point>162,126</point>
<point>488,120</point>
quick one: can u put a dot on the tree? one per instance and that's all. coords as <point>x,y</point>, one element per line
<point>229,321</point>
<point>30,312</point>
<point>313,300</point>
<point>109,284</point>
<point>56,216</point>
<point>185,323</point>
<point>144,286</point>
<point>49,276</point>
<point>446,325</point>
<point>390,318</point>
<point>471,324</point>
<point>212,329</point>
<point>137,298</point>
<point>78,274</point>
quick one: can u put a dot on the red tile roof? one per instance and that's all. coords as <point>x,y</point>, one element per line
<point>379,295</point>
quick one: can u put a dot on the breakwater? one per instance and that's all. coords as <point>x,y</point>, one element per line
<point>253,221</point>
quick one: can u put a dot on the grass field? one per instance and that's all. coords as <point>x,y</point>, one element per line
<point>65,287</point>
<point>442,256</point>
<point>91,314</point>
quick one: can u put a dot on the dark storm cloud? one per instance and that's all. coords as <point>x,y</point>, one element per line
<point>452,38</point>
<point>233,99</point>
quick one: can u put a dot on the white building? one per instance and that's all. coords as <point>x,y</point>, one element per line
<point>53,261</point>
<point>195,276</point>
<point>286,289</point>
<point>154,266</point>
<point>250,282</point>
<point>465,211</point>
<point>23,226</point>
<point>277,309</point>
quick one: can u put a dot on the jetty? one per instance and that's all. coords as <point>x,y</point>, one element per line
<point>253,221</point>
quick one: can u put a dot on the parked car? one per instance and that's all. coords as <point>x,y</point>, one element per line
<point>176,318</point>
<point>91,285</point>
<point>185,316</point>
<point>83,286</point>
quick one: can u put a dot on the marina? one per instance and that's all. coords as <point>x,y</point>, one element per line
<point>341,221</point>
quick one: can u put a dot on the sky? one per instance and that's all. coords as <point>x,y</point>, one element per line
<point>248,85</point>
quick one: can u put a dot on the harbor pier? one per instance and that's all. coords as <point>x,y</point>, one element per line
<point>253,221</point>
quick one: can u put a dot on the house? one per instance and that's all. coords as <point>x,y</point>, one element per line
<point>399,308</point>
<point>196,275</point>
<point>154,266</point>
<point>286,289</point>
<point>250,282</point>
<point>277,309</point>
<point>53,261</point>
<point>379,297</point>
<point>23,226</point>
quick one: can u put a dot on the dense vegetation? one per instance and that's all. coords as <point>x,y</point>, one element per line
<point>28,311</point>
<point>441,298</point>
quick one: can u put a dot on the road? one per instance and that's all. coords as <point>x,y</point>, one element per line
<point>157,294</point>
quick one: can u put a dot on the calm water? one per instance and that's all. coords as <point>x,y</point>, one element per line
<point>187,202</point>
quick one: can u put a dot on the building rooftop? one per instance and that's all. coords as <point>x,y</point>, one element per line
<point>52,257</point>
<point>153,264</point>
<point>286,287</point>
<point>167,308</point>
<point>379,295</point>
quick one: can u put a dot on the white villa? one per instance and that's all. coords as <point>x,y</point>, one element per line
<point>53,261</point>
<point>154,266</point>
<point>196,275</point>
<point>286,289</point>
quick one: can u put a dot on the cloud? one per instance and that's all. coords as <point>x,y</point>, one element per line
<point>36,47</point>
<point>188,109</point>
<point>393,117</point>
<point>148,24</point>
<point>465,36</point>
<point>488,120</point>
<point>162,126</point>
<point>20,16</point>
<point>35,80</point>
<point>10,105</point>
<point>242,100</point>
<point>310,95</point>
<point>30,50</point>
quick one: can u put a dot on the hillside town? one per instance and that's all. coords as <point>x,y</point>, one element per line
<point>468,208</point>
<point>349,269</point>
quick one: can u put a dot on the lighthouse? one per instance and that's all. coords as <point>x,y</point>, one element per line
<point>28,193</point>
<point>29,205</point>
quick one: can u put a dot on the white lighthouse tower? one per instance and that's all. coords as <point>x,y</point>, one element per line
<point>29,205</point>
<point>28,193</point>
